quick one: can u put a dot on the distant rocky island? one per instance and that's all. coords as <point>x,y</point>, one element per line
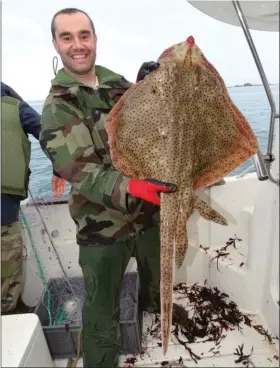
<point>248,85</point>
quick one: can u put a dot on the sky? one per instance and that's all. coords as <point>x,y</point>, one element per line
<point>128,33</point>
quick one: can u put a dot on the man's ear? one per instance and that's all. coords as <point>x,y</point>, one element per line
<point>55,44</point>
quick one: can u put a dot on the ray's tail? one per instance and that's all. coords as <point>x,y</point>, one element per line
<point>181,238</point>
<point>168,219</point>
<point>181,235</point>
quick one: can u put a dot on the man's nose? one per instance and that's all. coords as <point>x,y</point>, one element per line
<point>77,43</point>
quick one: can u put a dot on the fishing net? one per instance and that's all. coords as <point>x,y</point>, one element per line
<point>62,300</point>
<point>66,302</point>
<point>67,298</point>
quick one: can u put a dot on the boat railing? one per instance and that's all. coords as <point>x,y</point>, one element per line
<point>262,161</point>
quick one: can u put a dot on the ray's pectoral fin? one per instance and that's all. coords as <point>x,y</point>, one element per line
<point>208,213</point>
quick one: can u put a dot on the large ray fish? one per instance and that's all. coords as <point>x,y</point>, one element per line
<point>179,125</point>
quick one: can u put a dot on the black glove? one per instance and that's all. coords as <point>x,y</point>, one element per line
<point>145,69</point>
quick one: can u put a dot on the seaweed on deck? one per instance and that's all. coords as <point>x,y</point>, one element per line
<point>130,361</point>
<point>242,358</point>
<point>222,252</point>
<point>209,316</point>
<point>260,329</point>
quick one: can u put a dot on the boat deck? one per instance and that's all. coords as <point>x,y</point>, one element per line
<point>214,333</point>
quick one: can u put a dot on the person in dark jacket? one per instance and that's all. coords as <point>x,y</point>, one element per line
<point>18,120</point>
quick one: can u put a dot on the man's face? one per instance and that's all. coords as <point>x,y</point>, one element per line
<point>75,42</point>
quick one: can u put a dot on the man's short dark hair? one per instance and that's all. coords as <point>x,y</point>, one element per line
<point>69,11</point>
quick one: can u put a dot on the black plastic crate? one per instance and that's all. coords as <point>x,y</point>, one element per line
<point>62,338</point>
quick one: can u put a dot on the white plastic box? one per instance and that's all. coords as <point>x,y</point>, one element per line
<point>23,342</point>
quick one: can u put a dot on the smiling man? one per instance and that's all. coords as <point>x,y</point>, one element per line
<point>75,41</point>
<point>116,217</point>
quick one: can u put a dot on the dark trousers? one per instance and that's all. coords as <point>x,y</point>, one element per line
<point>103,268</point>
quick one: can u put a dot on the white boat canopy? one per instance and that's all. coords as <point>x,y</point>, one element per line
<point>260,15</point>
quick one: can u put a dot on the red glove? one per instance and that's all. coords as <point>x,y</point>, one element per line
<point>149,189</point>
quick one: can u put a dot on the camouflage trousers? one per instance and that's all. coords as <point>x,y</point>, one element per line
<point>11,265</point>
<point>103,268</point>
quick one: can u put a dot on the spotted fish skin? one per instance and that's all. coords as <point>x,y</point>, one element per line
<point>179,125</point>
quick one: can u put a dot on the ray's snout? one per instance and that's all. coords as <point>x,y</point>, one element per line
<point>190,41</point>
<point>194,54</point>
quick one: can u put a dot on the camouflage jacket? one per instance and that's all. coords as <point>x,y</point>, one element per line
<point>74,139</point>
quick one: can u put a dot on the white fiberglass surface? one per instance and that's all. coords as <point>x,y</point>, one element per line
<point>213,333</point>
<point>222,334</point>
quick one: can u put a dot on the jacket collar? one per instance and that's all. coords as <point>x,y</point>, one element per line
<point>103,74</point>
